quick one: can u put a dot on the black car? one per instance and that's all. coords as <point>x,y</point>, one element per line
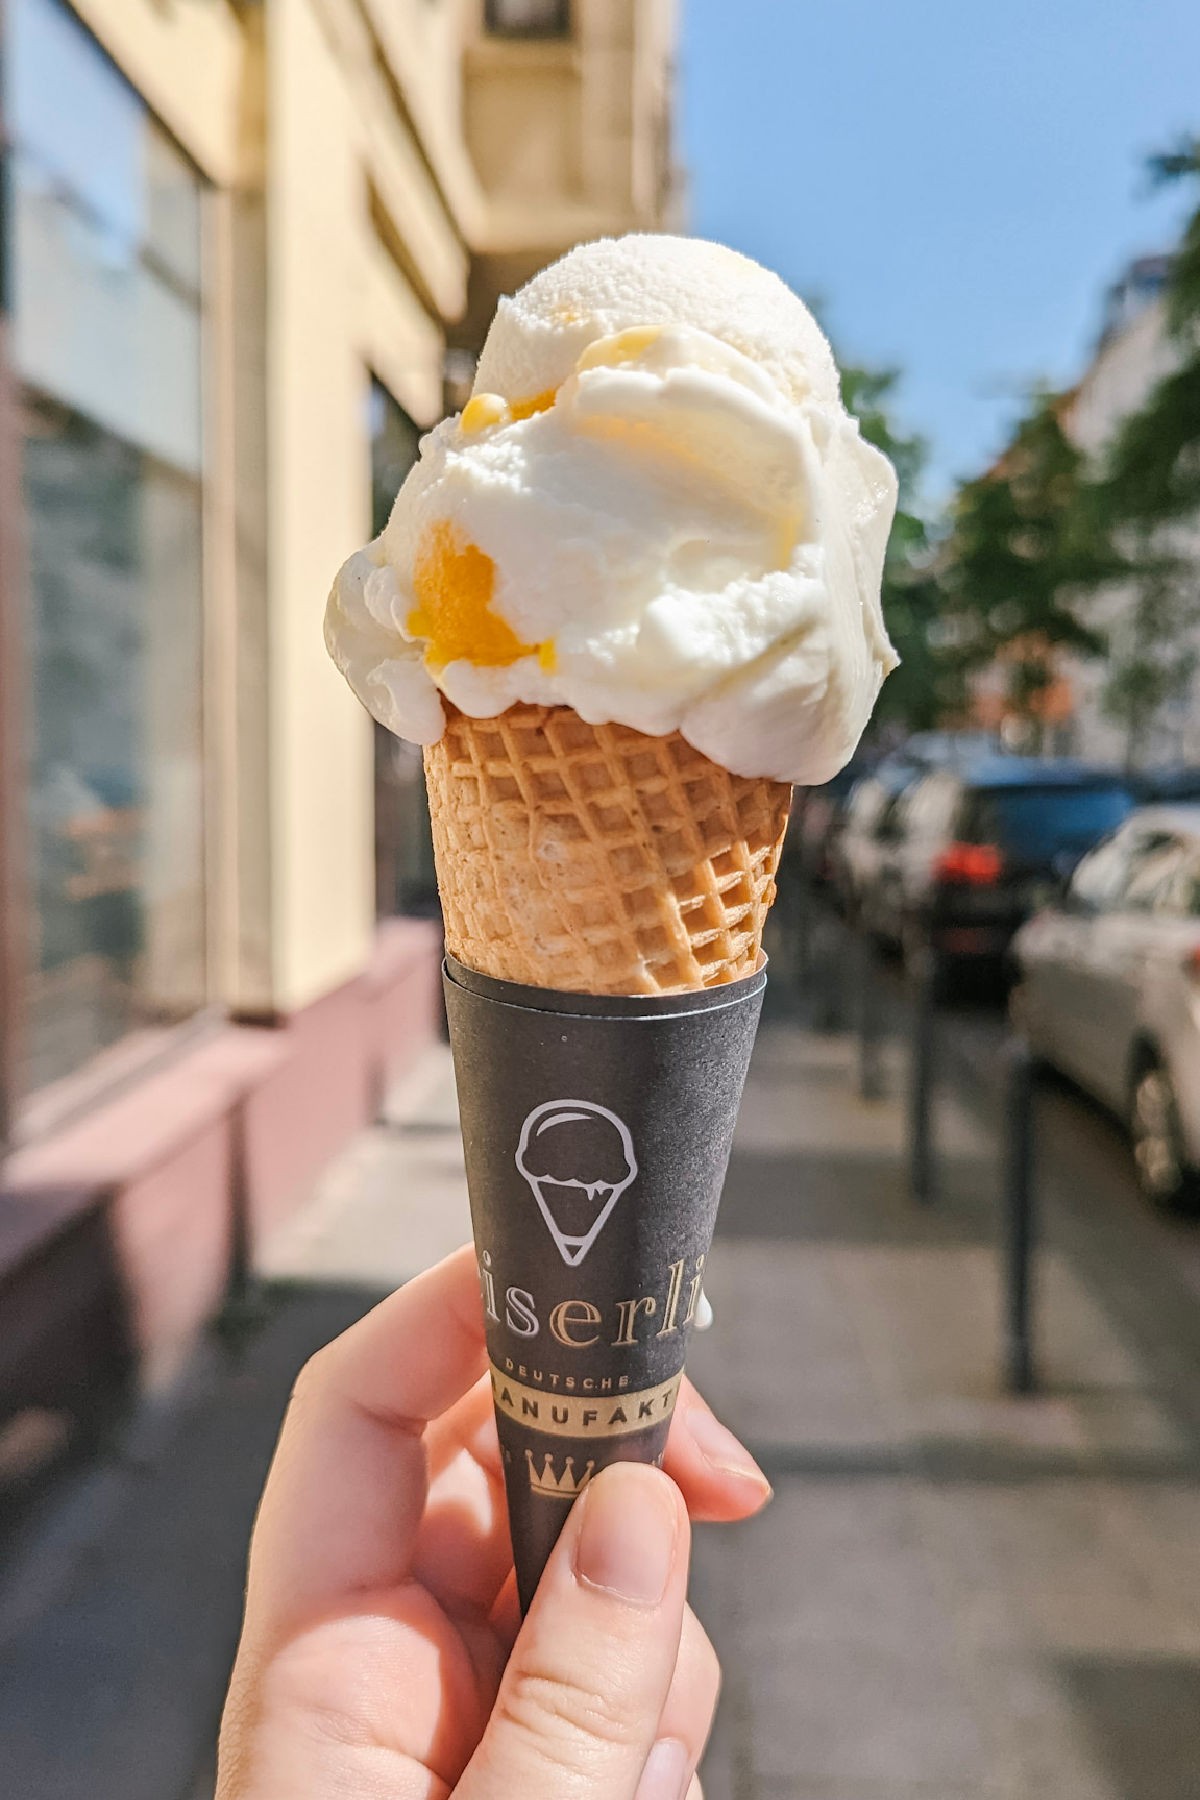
<point>1174,786</point>
<point>869,825</point>
<point>975,851</point>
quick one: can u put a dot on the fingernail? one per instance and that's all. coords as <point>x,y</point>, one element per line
<point>721,1449</point>
<point>667,1771</point>
<point>627,1537</point>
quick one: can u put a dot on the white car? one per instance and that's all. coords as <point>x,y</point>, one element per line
<point>861,847</point>
<point>1109,989</point>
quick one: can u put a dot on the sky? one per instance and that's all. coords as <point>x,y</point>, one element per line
<point>953,183</point>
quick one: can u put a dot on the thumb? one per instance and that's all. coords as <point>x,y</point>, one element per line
<point>579,1705</point>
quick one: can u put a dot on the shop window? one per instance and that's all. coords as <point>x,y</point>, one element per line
<point>106,257</point>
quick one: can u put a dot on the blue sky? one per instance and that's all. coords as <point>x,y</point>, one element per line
<point>953,182</point>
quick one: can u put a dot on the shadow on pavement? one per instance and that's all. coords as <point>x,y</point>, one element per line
<point>845,1198</point>
<point>114,1691</point>
<point>1143,1718</point>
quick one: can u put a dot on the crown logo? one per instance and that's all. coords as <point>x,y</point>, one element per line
<point>557,1487</point>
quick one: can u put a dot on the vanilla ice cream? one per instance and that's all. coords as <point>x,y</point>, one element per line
<point>654,509</point>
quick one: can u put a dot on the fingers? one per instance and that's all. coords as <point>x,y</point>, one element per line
<point>716,1473</point>
<point>463,1551</point>
<point>686,1717</point>
<point>579,1706</point>
<point>347,1487</point>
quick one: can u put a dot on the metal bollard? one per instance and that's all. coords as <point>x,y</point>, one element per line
<point>806,900</point>
<point>1020,1218</point>
<point>244,1307</point>
<point>921,1174</point>
<point>867,997</point>
<point>827,946</point>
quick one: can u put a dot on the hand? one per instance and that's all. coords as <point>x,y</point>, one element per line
<point>381,1606</point>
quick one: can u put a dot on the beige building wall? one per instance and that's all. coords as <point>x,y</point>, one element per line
<point>571,137</point>
<point>186,62</point>
<point>318,801</point>
<point>380,171</point>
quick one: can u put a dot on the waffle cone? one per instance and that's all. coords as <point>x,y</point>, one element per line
<point>595,859</point>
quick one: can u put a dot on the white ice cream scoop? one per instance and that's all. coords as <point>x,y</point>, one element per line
<point>654,510</point>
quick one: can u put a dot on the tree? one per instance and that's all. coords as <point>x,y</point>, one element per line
<point>920,690</point>
<point>1153,660</point>
<point>1022,549</point>
<point>1148,489</point>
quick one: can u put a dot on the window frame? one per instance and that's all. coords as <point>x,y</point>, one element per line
<point>397,894</point>
<point>1145,901</point>
<point>551,30</point>
<point>13,636</point>
<point>1122,846</point>
<point>1170,903</point>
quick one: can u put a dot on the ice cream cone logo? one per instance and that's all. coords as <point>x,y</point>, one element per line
<point>578,1159</point>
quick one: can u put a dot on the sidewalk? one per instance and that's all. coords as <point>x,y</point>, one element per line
<point>119,1615</point>
<point>954,1595</point>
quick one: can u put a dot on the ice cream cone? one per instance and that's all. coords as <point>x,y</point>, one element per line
<point>597,860</point>
<point>654,510</point>
<point>591,860</point>
<point>597,1130</point>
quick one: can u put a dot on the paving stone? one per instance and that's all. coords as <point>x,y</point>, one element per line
<point>853,1712</point>
<point>115,1692</point>
<point>841,1562</point>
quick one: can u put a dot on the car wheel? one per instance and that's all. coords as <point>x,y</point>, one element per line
<point>1159,1153</point>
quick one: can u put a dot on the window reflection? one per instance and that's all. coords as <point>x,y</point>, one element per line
<point>107,342</point>
<point>116,854</point>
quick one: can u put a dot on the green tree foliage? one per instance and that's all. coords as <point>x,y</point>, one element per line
<point>1022,547</point>
<point>1154,659</point>
<point>1153,474</point>
<point>917,694</point>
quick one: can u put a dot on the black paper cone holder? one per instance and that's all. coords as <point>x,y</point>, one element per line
<point>597,1132</point>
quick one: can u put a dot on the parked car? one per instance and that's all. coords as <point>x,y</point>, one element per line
<point>865,833</point>
<point>868,825</point>
<point>1109,989</point>
<point>969,854</point>
<point>818,819</point>
<point>1170,786</point>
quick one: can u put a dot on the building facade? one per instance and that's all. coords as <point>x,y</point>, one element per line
<point>251,248</point>
<point>1134,354</point>
<point>1072,714</point>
